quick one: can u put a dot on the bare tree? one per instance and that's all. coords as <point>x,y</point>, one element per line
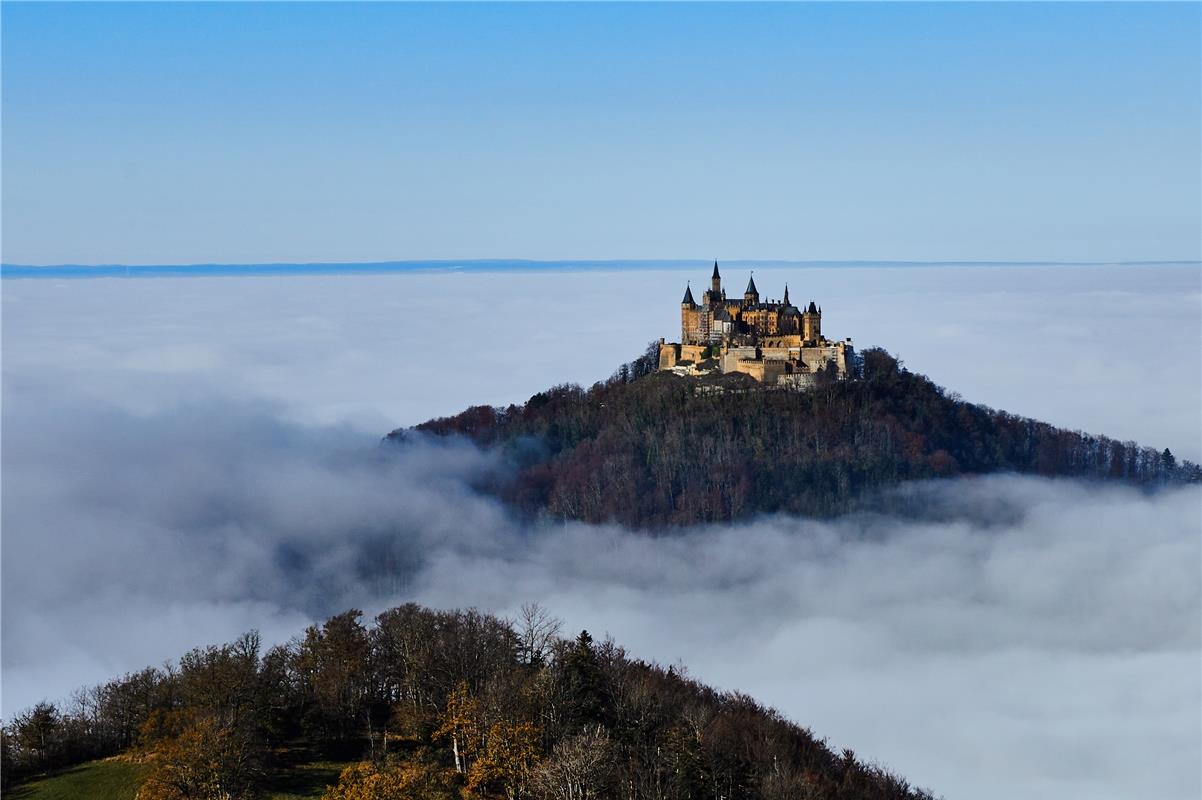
<point>578,769</point>
<point>537,632</point>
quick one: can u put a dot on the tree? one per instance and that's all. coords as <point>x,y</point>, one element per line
<point>35,732</point>
<point>333,663</point>
<point>7,764</point>
<point>578,768</point>
<point>222,679</point>
<point>585,685</point>
<point>537,631</point>
<point>508,761</point>
<point>460,723</point>
<point>406,780</point>
<point>207,760</point>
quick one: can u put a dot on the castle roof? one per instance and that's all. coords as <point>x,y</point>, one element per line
<point>751,286</point>
<point>715,275</point>
<point>688,297</point>
<point>812,309</point>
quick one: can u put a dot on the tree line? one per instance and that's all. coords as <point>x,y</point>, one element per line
<point>434,705</point>
<point>650,449</point>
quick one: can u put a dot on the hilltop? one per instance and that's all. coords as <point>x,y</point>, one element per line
<point>429,705</point>
<point>650,448</point>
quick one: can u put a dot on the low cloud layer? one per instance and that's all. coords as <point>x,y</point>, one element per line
<point>1038,637</point>
<point>1108,350</point>
<point>1019,637</point>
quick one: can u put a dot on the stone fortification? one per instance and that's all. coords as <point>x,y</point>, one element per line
<point>774,342</point>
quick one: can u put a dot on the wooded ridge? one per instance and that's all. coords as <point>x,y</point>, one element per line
<point>649,449</point>
<point>439,705</point>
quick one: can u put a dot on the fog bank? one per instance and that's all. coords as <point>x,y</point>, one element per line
<point>1109,350</point>
<point>185,460</point>
<point>1038,637</point>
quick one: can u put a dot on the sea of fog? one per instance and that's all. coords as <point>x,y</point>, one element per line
<point>187,458</point>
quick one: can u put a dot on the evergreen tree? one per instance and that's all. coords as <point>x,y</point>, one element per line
<point>585,683</point>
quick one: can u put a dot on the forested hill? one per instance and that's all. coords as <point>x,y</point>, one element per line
<point>650,449</point>
<point>425,705</point>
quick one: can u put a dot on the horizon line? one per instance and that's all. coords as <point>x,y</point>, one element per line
<point>107,270</point>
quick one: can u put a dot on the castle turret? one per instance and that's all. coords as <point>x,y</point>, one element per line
<point>786,297</point>
<point>716,282</point>
<point>751,296</point>
<point>688,317</point>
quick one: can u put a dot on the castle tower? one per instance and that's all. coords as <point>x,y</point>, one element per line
<point>785,303</point>
<point>688,316</point>
<point>751,296</point>
<point>811,323</point>
<point>716,282</point>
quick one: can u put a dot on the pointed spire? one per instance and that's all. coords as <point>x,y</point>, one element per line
<point>715,275</point>
<point>688,296</point>
<point>751,285</point>
<point>786,298</point>
<point>812,309</point>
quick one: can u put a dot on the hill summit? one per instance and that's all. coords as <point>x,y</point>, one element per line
<point>651,448</point>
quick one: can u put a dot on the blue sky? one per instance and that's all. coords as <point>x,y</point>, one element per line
<point>146,133</point>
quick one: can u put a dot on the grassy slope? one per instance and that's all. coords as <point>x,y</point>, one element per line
<point>119,780</point>
<point>96,780</point>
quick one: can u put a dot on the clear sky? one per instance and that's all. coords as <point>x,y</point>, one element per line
<point>146,133</point>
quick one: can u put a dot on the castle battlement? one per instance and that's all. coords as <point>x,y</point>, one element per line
<point>775,342</point>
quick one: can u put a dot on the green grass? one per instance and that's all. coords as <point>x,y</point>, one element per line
<point>95,780</point>
<point>119,780</point>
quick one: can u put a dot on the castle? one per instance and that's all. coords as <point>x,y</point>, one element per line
<point>776,343</point>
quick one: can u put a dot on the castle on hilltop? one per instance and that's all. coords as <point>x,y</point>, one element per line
<point>776,343</point>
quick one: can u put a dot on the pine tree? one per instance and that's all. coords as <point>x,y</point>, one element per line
<point>585,683</point>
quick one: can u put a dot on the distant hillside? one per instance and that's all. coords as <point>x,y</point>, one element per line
<point>423,705</point>
<point>651,449</point>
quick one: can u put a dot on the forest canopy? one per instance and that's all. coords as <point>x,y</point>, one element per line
<point>439,705</point>
<point>650,449</point>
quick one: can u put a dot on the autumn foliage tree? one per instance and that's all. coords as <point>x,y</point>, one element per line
<point>394,780</point>
<point>197,756</point>
<point>507,762</point>
<point>460,726</point>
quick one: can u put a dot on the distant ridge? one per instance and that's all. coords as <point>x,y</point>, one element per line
<point>495,265</point>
